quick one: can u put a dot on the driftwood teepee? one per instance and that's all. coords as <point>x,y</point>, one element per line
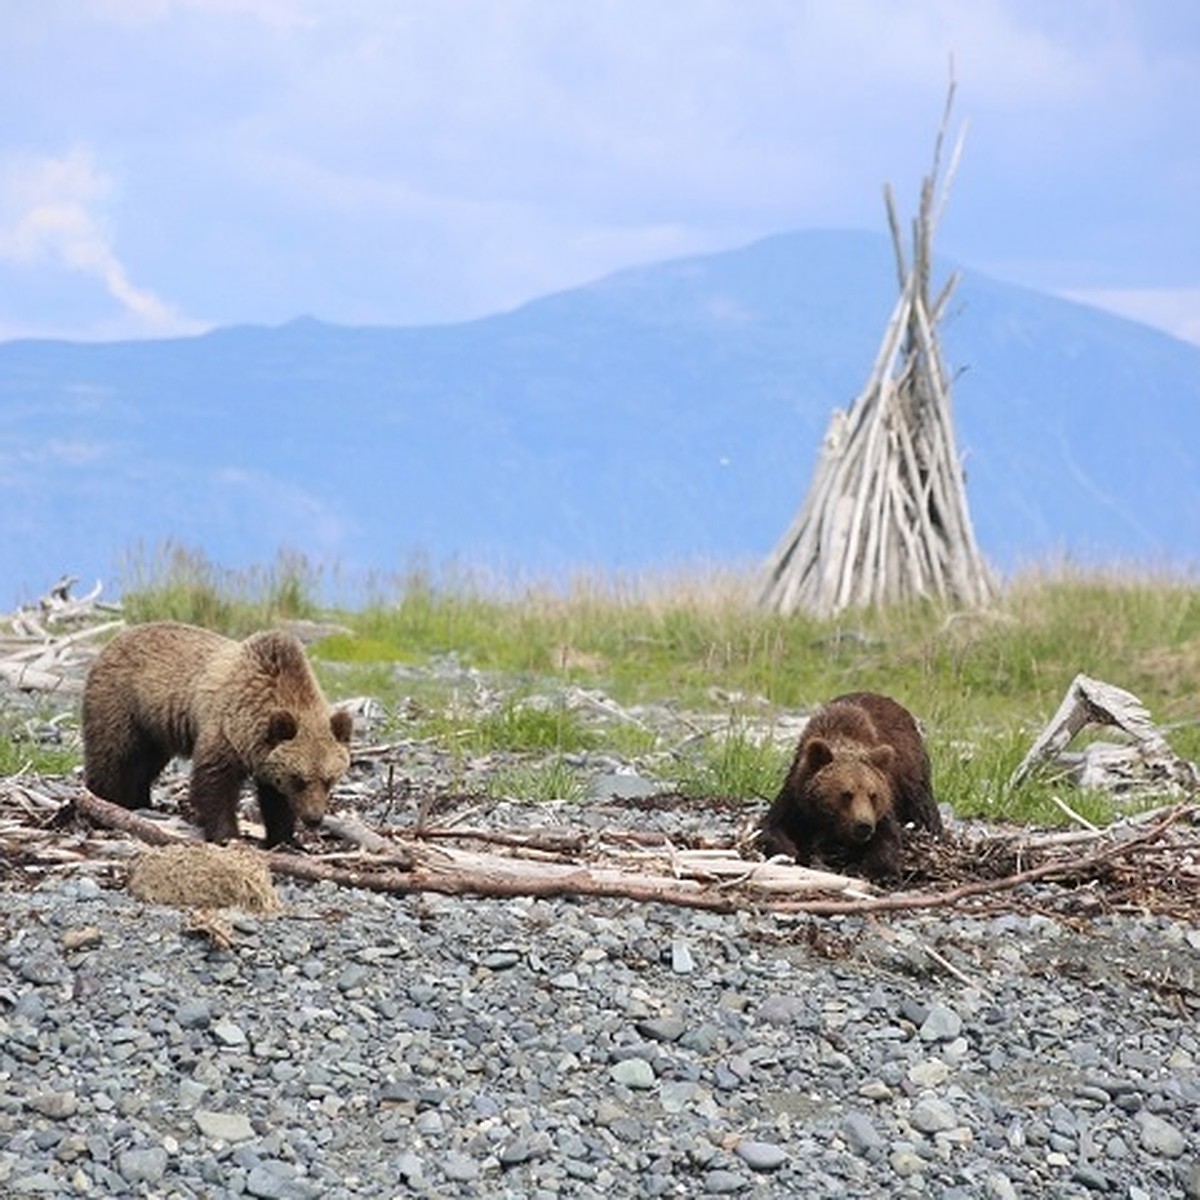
<point>886,519</point>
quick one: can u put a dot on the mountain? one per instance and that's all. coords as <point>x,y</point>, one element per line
<point>662,416</point>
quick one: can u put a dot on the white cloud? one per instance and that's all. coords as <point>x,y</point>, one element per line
<point>51,213</point>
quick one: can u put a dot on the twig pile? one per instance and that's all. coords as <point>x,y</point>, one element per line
<point>885,518</point>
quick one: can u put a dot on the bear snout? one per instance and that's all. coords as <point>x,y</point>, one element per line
<point>862,831</point>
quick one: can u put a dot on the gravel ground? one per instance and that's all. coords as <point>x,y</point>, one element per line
<point>366,1045</point>
<point>361,1045</point>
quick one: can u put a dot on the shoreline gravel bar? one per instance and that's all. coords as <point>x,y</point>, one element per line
<point>370,1045</point>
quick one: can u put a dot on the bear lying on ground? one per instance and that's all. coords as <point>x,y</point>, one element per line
<point>239,710</point>
<point>861,772</point>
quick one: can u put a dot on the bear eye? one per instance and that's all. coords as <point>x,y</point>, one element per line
<point>847,797</point>
<point>296,783</point>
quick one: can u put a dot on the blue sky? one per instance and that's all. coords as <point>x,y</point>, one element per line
<point>170,165</point>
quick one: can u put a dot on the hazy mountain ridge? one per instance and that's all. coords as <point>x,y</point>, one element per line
<point>663,415</point>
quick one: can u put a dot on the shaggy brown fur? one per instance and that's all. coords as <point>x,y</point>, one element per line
<point>239,710</point>
<point>861,772</point>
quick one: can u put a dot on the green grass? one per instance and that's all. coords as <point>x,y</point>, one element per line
<point>18,755</point>
<point>734,762</point>
<point>983,684</point>
<point>180,584</point>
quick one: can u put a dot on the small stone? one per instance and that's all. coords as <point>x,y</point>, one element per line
<point>193,1014</point>
<point>860,1133</point>
<point>460,1168</point>
<point>142,1166</point>
<point>999,1187</point>
<point>875,1089</point>
<point>229,1034</point>
<point>58,1106</point>
<point>42,969</point>
<point>501,960</point>
<point>353,977</point>
<point>1091,1179</point>
<point>931,1115</point>
<point>682,962</point>
<point>906,1163</point>
<point>761,1156</point>
<point>929,1073</point>
<point>724,1183</point>
<point>781,1010</point>
<point>1160,1137</point>
<point>633,1073</point>
<point>410,1168</point>
<point>942,1024</point>
<point>224,1126</point>
<point>662,1029</point>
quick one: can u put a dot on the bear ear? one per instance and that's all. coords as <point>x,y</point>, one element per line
<point>282,727</point>
<point>882,758</point>
<point>342,725</point>
<point>817,754</point>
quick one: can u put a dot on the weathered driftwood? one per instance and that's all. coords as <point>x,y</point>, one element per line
<point>885,518</point>
<point>41,654</point>
<point>1144,762</point>
<point>1149,863</point>
<point>455,871</point>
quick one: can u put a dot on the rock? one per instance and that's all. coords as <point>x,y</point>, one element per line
<point>223,1126</point>
<point>1158,1136</point>
<point>724,1183</point>
<point>633,1073</point>
<point>58,1106</point>
<point>931,1115</point>
<point>143,1166</point>
<point>761,1156</point>
<point>460,1168</point>
<point>860,1133</point>
<point>942,1024</point>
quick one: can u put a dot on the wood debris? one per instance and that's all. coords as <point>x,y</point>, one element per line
<point>885,519</point>
<point>1144,762</point>
<point>49,647</point>
<point>1149,863</point>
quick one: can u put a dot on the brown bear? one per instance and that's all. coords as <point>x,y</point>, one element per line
<point>239,710</point>
<point>861,773</point>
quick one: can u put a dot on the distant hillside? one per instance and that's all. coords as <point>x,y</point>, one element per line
<point>661,416</point>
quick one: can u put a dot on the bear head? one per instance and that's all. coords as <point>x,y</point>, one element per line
<point>849,790</point>
<point>305,759</point>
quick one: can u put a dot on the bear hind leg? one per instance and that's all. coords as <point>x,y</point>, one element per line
<point>123,775</point>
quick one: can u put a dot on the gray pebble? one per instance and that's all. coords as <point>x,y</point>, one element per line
<point>860,1133</point>
<point>460,1168</point>
<point>761,1156</point>
<point>633,1073</point>
<point>931,1115</point>
<point>1158,1136</point>
<point>724,1183</point>
<point>143,1166</point>
<point>942,1024</point>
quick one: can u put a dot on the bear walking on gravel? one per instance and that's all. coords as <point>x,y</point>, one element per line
<point>239,710</point>
<point>861,772</point>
